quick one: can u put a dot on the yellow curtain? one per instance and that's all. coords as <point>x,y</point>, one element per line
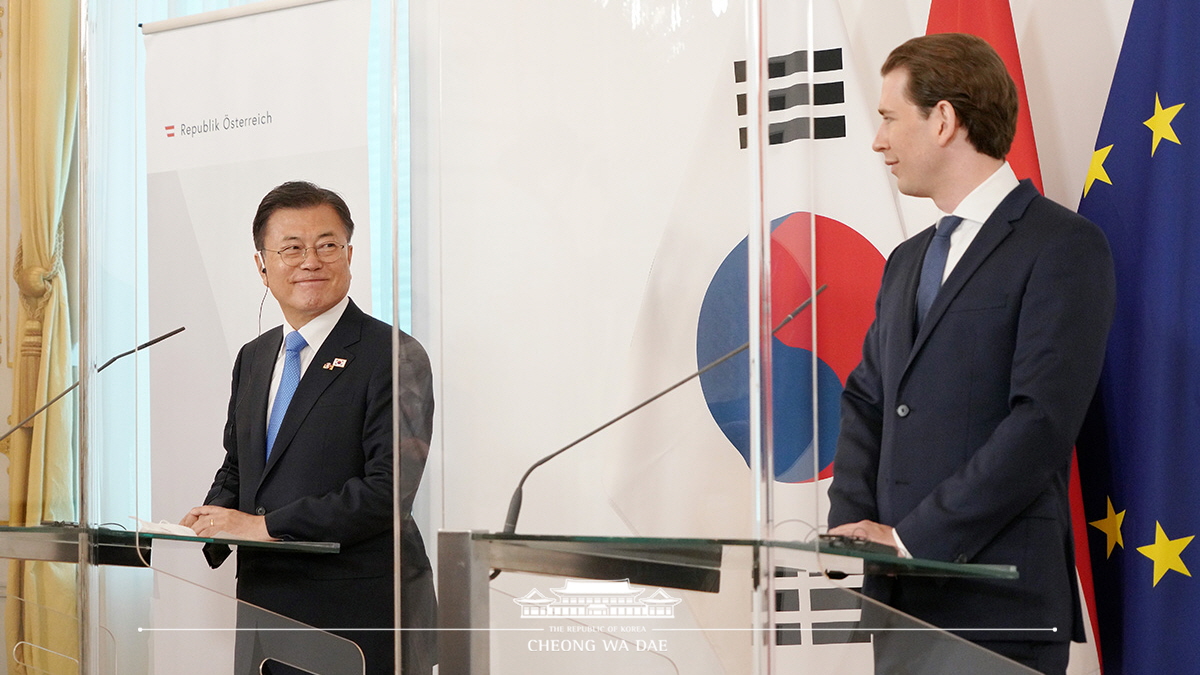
<point>41,612</point>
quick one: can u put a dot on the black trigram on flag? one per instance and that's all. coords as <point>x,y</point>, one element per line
<point>832,614</point>
<point>779,101</point>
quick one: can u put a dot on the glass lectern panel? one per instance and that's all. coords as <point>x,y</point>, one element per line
<point>824,624</point>
<point>192,625</point>
<point>48,637</point>
<point>595,604</point>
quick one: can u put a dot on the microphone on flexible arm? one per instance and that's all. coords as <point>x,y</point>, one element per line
<point>71,388</point>
<point>514,505</point>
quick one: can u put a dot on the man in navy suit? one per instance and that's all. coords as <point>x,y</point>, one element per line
<point>312,460</point>
<point>989,335</point>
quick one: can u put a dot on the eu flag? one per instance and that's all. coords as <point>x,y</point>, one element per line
<point>1139,454</point>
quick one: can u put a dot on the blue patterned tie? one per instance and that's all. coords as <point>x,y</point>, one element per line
<point>934,266</point>
<point>287,385</point>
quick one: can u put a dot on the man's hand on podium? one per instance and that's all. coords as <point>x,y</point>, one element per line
<point>212,521</point>
<point>869,530</point>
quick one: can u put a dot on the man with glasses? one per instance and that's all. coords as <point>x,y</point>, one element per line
<point>309,445</point>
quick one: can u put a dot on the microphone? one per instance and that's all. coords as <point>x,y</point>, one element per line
<point>514,505</point>
<point>71,388</point>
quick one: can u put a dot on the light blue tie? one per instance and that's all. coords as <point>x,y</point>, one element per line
<point>934,266</point>
<point>287,385</point>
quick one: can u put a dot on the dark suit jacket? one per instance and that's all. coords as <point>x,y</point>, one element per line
<point>960,435</point>
<point>329,477</point>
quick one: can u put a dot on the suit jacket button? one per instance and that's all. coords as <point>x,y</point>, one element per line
<point>902,410</point>
<point>261,511</point>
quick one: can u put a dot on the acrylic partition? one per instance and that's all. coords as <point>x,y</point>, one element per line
<point>647,242</point>
<point>163,246</point>
<point>585,199</point>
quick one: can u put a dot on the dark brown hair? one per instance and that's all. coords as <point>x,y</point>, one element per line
<point>967,73</point>
<point>298,195</point>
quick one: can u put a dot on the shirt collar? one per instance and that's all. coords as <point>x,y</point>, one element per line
<point>319,327</point>
<point>983,200</point>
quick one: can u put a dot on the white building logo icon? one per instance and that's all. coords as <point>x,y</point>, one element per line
<point>598,599</point>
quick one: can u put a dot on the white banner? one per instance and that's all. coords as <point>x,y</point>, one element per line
<point>234,107</point>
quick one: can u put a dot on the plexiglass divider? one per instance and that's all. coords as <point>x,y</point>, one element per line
<point>643,192</point>
<point>628,247</point>
<point>152,424</point>
<point>597,193</point>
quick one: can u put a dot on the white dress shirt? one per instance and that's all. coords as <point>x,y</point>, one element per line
<point>975,209</point>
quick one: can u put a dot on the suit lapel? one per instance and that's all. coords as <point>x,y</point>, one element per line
<point>317,379</point>
<point>994,231</point>
<point>908,328</point>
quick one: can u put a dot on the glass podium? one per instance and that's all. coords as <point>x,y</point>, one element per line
<point>218,633</point>
<point>622,603</point>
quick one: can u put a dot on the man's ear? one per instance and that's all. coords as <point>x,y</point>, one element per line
<point>948,123</point>
<point>262,267</point>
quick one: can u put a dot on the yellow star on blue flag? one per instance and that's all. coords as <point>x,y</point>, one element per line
<point>1160,124</point>
<point>1166,553</point>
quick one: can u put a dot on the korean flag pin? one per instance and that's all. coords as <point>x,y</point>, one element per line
<point>339,363</point>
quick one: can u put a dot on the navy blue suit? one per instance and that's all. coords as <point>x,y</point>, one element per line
<point>960,435</point>
<point>329,478</point>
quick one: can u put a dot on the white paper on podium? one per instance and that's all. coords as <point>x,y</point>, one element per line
<point>163,527</point>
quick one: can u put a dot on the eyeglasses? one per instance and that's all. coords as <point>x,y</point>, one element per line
<point>292,256</point>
